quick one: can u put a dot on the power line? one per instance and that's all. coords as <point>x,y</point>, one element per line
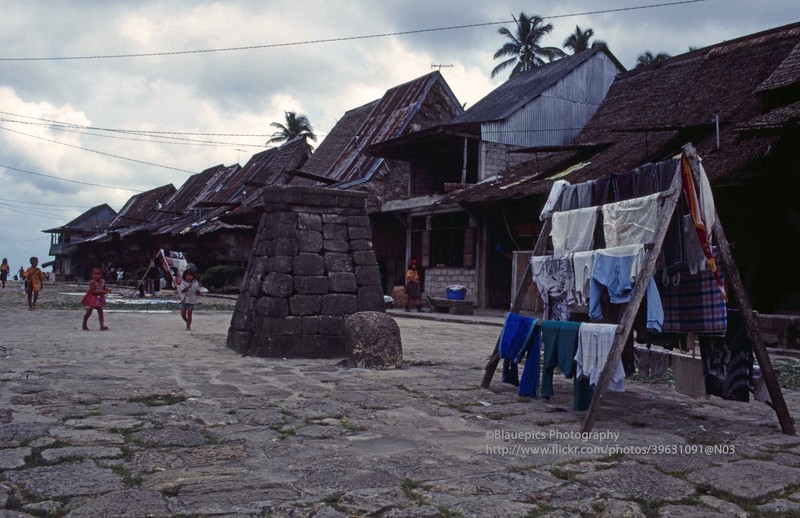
<point>67,179</point>
<point>98,152</point>
<point>45,204</point>
<point>172,140</point>
<point>335,40</point>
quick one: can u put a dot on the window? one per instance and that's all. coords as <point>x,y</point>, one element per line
<point>444,240</point>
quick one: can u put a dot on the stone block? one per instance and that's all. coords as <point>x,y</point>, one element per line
<point>239,340</point>
<point>272,307</point>
<point>309,241</point>
<point>261,247</point>
<point>281,326</point>
<point>307,221</point>
<point>309,264</point>
<point>305,304</point>
<point>331,325</point>
<point>364,258</point>
<point>280,264</point>
<point>338,262</point>
<point>257,266</point>
<point>334,231</point>
<point>372,341</point>
<point>336,245</point>
<point>360,233</point>
<point>310,325</point>
<point>243,303</point>
<point>278,284</point>
<point>361,244</point>
<point>358,221</point>
<point>281,230</point>
<point>339,304</point>
<point>334,218</point>
<point>316,284</point>
<point>282,246</point>
<point>241,321</point>
<point>370,298</point>
<point>342,282</point>
<point>368,276</point>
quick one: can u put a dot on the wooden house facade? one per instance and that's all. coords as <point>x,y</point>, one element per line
<point>64,241</point>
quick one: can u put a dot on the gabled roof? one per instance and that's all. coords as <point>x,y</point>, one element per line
<point>266,167</point>
<point>785,75</point>
<point>139,208</point>
<point>194,189</point>
<point>75,223</point>
<point>649,113</point>
<point>345,159</point>
<point>521,89</point>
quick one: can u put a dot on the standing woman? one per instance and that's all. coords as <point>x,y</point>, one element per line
<point>413,287</point>
<point>4,269</point>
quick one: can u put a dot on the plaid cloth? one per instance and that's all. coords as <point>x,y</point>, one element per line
<point>695,304</point>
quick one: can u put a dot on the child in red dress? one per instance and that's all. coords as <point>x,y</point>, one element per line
<point>95,298</point>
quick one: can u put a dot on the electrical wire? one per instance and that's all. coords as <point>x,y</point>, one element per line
<point>336,40</point>
<point>10,168</point>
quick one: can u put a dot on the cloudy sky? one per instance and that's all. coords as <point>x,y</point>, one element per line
<point>180,111</point>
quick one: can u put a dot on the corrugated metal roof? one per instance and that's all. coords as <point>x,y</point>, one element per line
<point>521,89</point>
<point>77,222</point>
<point>388,118</point>
<point>139,208</point>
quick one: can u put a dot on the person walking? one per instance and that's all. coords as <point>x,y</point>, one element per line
<point>34,281</point>
<point>190,291</point>
<point>95,298</point>
<point>4,270</point>
<point>413,286</point>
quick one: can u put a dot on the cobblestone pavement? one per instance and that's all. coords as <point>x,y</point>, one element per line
<point>148,419</point>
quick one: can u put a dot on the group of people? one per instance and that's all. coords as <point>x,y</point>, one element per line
<point>95,297</point>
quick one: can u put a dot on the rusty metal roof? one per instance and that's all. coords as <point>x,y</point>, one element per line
<point>388,118</point>
<point>140,207</point>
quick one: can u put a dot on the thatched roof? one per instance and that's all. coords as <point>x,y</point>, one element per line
<point>649,113</point>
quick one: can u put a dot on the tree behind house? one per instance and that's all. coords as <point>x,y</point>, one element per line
<point>649,59</point>
<point>293,126</point>
<point>578,41</point>
<point>523,50</point>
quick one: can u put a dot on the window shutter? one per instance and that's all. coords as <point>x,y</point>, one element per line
<point>426,248</point>
<point>469,247</point>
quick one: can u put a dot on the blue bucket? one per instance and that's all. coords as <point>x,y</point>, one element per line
<point>455,293</point>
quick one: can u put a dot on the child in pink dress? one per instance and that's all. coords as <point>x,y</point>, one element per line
<point>95,298</point>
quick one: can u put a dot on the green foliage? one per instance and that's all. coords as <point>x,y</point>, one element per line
<point>218,277</point>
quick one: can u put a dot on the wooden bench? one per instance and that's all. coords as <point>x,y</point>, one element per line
<point>454,307</point>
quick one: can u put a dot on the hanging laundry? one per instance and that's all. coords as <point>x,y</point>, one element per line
<point>594,346</point>
<point>615,270</point>
<point>552,200</point>
<point>693,303</point>
<point>510,373</point>
<point>514,338</point>
<point>554,277</point>
<point>694,255</point>
<point>585,194</point>
<point>582,266</point>
<point>728,361</point>
<point>701,208</point>
<point>560,341</point>
<point>530,375</point>
<point>601,190</point>
<point>652,363</point>
<point>630,222</point>
<point>573,230</point>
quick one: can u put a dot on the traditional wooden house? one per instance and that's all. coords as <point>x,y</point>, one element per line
<point>547,106</point>
<point>737,102</point>
<point>342,161</point>
<point>64,241</point>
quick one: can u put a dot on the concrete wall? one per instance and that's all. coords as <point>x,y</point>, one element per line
<point>437,279</point>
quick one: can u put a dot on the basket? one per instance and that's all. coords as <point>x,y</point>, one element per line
<point>455,292</point>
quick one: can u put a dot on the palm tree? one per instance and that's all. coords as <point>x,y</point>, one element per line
<point>524,49</point>
<point>649,59</point>
<point>295,126</point>
<point>578,41</point>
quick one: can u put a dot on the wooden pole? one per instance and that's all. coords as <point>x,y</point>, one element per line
<point>629,315</point>
<point>753,332</point>
<point>522,291</point>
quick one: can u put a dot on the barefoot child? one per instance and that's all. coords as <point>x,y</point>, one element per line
<point>190,291</point>
<point>95,298</point>
<point>34,280</point>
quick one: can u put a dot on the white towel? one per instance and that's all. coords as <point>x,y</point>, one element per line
<point>594,345</point>
<point>631,222</point>
<point>573,231</point>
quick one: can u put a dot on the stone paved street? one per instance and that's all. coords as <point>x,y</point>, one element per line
<point>149,419</point>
